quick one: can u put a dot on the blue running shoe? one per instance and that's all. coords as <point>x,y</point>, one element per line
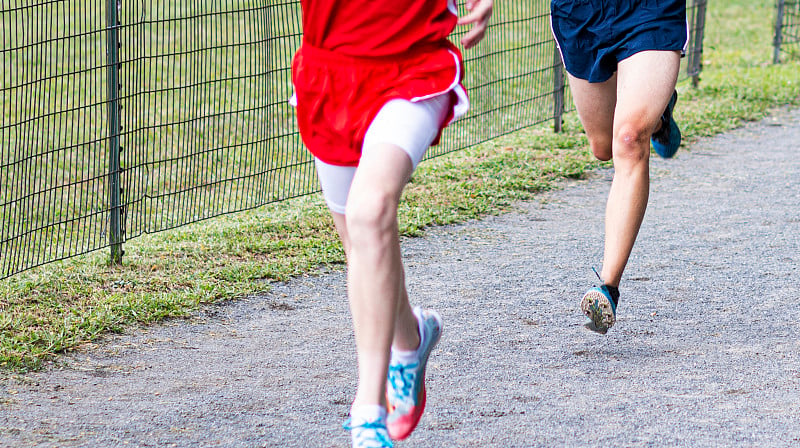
<point>405,387</point>
<point>367,434</point>
<point>668,138</point>
<point>600,308</point>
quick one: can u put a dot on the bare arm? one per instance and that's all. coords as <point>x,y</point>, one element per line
<point>479,13</point>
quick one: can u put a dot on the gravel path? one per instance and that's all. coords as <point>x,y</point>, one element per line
<point>706,351</point>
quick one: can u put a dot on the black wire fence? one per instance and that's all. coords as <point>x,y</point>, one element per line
<point>787,30</point>
<point>127,117</point>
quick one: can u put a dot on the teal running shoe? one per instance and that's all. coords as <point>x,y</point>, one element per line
<point>667,139</point>
<point>601,309</point>
<point>405,386</point>
<point>368,434</point>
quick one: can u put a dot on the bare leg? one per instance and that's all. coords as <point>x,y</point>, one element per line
<point>382,316</point>
<point>642,95</point>
<point>639,95</point>
<point>595,103</point>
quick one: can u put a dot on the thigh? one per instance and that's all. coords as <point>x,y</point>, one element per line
<point>411,126</point>
<point>335,182</point>
<point>401,132</point>
<point>645,82</point>
<point>595,103</point>
<point>395,143</point>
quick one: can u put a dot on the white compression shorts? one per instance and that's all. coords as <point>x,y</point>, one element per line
<point>410,126</point>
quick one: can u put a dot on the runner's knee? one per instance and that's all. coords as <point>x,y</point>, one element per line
<point>370,214</point>
<point>632,140</point>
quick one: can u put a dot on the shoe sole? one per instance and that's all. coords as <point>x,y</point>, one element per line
<point>596,306</point>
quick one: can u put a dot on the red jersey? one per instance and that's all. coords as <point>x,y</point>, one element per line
<point>376,27</point>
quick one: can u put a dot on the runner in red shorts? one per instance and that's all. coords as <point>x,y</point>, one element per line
<point>375,84</point>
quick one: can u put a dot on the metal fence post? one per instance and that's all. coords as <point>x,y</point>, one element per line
<point>558,90</point>
<point>114,128</point>
<point>699,26</point>
<point>778,41</point>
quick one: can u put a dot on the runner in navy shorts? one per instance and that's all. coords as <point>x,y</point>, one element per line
<point>622,58</point>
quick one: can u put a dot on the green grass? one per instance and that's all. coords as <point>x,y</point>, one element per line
<point>54,308</point>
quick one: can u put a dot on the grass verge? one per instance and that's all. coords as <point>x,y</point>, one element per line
<point>57,307</point>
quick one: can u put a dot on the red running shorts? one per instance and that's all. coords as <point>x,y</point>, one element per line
<point>338,96</point>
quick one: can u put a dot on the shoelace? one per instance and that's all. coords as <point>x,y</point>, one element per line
<point>376,438</point>
<point>402,379</point>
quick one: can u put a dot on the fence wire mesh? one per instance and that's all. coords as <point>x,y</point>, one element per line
<point>787,30</point>
<point>54,161</point>
<point>127,117</point>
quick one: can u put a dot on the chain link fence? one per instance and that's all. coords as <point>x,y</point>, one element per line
<point>787,30</point>
<point>127,117</point>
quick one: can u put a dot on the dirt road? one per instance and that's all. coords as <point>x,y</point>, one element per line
<point>706,351</point>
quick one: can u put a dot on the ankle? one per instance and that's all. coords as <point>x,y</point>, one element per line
<point>367,412</point>
<point>409,340</point>
<point>613,291</point>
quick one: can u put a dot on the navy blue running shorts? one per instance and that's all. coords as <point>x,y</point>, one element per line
<point>595,35</point>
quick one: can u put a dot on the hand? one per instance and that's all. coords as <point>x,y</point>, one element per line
<point>479,13</point>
